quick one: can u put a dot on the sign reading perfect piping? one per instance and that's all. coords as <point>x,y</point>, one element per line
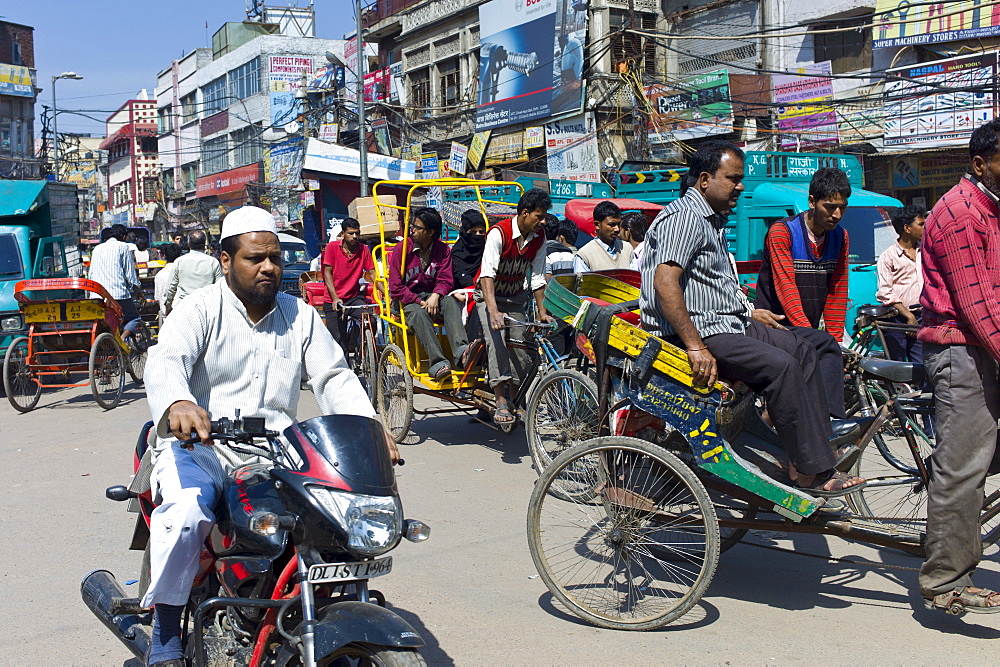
<point>526,64</point>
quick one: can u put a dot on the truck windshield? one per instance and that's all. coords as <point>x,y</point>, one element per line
<point>294,254</point>
<point>10,258</point>
<point>866,227</point>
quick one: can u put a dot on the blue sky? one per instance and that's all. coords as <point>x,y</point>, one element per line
<point>118,47</point>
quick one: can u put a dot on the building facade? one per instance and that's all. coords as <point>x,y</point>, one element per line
<point>133,164</point>
<point>230,124</point>
<point>18,93</point>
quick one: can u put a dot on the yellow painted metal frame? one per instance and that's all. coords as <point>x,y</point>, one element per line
<point>395,323</point>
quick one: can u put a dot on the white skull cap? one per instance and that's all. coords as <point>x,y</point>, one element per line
<point>247,219</point>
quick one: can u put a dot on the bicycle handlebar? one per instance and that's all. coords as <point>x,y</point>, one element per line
<point>531,325</point>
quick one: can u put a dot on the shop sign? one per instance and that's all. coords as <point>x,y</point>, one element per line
<point>699,106</point>
<point>571,149</point>
<point>506,149</point>
<point>227,181</point>
<point>803,118</point>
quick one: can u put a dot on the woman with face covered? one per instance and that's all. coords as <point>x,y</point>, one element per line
<point>467,253</point>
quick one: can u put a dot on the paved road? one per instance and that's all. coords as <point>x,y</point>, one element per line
<point>471,589</point>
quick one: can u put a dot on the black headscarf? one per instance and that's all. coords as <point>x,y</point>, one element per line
<point>467,253</point>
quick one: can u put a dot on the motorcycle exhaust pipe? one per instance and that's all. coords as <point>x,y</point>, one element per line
<point>99,589</point>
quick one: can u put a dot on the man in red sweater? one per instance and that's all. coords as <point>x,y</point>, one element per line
<point>961,337</point>
<point>803,277</point>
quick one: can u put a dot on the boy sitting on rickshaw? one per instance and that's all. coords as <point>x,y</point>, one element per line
<point>513,269</point>
<point>420,284</point>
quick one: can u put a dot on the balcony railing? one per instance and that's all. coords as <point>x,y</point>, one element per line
<point>382,9</point>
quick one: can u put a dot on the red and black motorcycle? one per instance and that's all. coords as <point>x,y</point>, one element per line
<point>284,573</point>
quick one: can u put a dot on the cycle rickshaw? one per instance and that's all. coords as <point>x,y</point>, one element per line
<point>402,367</point>
<point>75,329</point>
<point>626,529</point>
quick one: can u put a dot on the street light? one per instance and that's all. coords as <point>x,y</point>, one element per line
<point>55,126</point>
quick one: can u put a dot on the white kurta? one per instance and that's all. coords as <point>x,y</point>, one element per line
<point>210,353</point>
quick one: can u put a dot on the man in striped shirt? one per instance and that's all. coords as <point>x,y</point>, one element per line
<point>691,297</point>
<point>235,345</point>
<point>112,264</point>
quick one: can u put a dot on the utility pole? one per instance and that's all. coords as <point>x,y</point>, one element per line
<point>362,134</point>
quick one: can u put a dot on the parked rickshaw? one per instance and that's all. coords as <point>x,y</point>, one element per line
<point>402,368</point>
<point>626,528</point>
<point>75,329</point>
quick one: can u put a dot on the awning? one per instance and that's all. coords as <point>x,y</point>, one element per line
<point>22,197</point>
<point>796,196</point>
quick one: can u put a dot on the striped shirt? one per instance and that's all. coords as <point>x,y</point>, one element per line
<point>113,266</point>
<point>210,353</point>
<point>690,234</point>
<point>558,258</point>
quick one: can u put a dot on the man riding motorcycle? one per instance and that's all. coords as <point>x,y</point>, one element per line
<point>238,345</point>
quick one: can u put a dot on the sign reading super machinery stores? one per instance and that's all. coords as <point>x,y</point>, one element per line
<point>905,23</point>
<point>531,63</point>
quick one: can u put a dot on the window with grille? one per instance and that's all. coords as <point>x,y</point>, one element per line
<point>847,51</point>
<point>189,108</point>
<point>215,155</point>
<point>244,81</point>
<point>631,47</point>
<point>214,96</point>
<point>420,91</point>
<point>189,176</point>
<point>449,81</point>
<point>247,148</point>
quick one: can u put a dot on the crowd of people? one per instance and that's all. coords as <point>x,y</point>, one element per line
<point>942,273</point>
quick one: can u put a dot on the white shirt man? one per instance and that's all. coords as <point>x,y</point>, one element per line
<point>192,271</point>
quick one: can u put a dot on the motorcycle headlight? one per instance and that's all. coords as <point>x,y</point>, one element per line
<point>373,524</point>
<point>11,323</point>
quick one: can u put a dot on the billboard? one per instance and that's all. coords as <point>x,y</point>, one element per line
<point>571,149</point>
<point>699,107</point>
<point>905,23</point>
<point>16,80</point>
<point>334,159</point>
<point>940,103</point>
<point>531,64</point>
<point>227,181</point>
<point>802,116</point>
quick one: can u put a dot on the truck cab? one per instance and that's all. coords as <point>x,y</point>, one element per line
<point>28,248</point>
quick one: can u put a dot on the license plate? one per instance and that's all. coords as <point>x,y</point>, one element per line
<point>324,573</point>
<point>41,312</point>
<point>84,310</point>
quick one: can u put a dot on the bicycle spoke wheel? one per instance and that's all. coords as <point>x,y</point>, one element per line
<point>139,343</point>
<point>562,411</point>
<point>19,382</point>
<point>394,392</point>
<point>642,552</point>
<point>107,371</point>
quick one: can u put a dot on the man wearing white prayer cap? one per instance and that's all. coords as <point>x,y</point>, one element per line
<point>239,344</point>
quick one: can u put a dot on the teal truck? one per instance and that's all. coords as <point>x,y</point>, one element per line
<point>777,186</point>
<point>39,238</point>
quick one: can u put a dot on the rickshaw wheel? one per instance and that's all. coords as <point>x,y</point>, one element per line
<point>368,365</point>
<point>19,383</point>
<point>599,557</point>
<point>107,371</point>
<point>140,341</point>
<point>394,392</point>
<point>562,411</point>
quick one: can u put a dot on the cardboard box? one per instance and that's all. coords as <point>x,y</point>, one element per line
<point>362,209</point>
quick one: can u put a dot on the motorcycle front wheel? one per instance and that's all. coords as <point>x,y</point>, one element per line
<point>371,655</point>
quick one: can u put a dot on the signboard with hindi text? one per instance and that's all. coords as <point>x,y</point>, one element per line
<point>699,106</point>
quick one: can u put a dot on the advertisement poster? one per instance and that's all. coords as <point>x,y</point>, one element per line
<point>534,137</point>
<point>284,73</point>
<point>284,109</point>
<point>940,103</point>
<point>531,61</point>
<point>16,80</point>
<point>459,158</point>
<point>699,107</point>
<point>506,149</point>
<point>380,130</point>
<point>803,119</point>
<point>283,163</point>
<point>571,147</point>
<point>378,85</point>
<point>336,159</point>
<point>329,77</point>
<point>905,23</point>
<point>329,132</point>
<point>478,148</point>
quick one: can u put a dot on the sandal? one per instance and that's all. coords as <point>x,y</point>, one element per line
<point>466,355</point>
<point>503,415</point>
<point>440,370</point>
<point>961,600</point>
<point>816,488</point>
